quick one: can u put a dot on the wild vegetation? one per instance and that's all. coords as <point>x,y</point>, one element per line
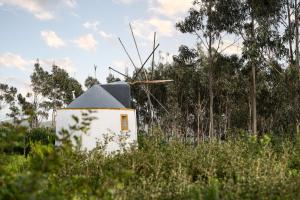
<point>242,167</point>
<point>226,128</point>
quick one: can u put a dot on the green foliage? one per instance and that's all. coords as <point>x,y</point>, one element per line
<point>240,168</point>
<point>12,138</point>
<point>90,81</point>
<point>17,139</point>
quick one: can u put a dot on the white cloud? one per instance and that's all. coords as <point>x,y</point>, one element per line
<point>121,64</point>
<point>170,8</point>
<point>65,63</point>
<point>145,28</point>
<point>13,61</point>
<point>52,39</point>
<point>70,3</point>
<point>22,85</point>
<point>86,42</point>
<point>105,35</point>
<point>41,9</point>
<point>93,25</point>
<point>125,1</point>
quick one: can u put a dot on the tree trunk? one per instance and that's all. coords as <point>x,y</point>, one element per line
<point>211,94</point>
<point>297,57</point>
<point>297,32</point>
<point>198,118</point>
<point>253,88</point>
<point>253,97</point>
<point>290,31</point>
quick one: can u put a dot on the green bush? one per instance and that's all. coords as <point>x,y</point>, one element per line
<point>17,139</point>
<point>240,168</point>
<point>44,136</point>
<point>12,138</point>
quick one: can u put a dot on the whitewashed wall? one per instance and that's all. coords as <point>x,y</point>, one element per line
<point>107,123</point>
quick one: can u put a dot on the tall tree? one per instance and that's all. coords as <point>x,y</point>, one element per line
<point>7,94</point>
<point>57,87</point>
<point>32,110</point>
<point>257,21</point>
<point>207,20</point>
<point>8,98</point>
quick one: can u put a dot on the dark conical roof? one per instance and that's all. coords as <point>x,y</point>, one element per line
<point>114,95</point>
<point>120,90</point>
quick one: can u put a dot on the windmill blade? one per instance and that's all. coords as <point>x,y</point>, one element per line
<point>127,54</point>
<point>145,63</point>
<point>150,82</point>
<point>119,72</point>
<point>154,41</point>
<point>135,43</point>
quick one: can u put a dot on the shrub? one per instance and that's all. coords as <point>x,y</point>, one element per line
<point>238,168</point>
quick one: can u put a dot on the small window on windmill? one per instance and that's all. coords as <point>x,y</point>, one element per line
<point>124,122</point>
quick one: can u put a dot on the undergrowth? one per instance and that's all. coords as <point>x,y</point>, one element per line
<point>239,168</point>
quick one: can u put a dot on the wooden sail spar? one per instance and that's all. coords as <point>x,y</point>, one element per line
<point>150,82</point>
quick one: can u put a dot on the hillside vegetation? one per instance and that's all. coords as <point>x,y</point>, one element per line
<point>241,167</point>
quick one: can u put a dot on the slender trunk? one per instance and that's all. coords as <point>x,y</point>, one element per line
<point>297,57</point>
<point>253,96</point>
<point>198,118</point>
<point>250,114</point>
<point>290,32</point>
<point>211,94</point>
<point>297,32</point>
<point>253,88</point>
<point>226,116</point>
<point>53,115</point>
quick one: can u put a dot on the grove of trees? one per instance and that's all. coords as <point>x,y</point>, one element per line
<point>227,127</point>
<point>214,93</point>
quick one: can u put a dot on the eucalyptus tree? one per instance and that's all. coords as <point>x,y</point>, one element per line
<point>258,26</point>
<point>7,94</point>
<point>207,19</point>
<point>90,81</point>
<point>111,78</point>
<point>32,110</point>
<point>8,98</point>
<point>57,87</point>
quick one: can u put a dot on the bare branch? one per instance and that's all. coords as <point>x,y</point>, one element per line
<point>230,45</point>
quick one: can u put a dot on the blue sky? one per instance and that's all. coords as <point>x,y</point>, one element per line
<point>76,34</point>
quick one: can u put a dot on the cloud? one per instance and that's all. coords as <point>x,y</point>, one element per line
<point>170,8</point>
<point>125,1</point>
<point>41,9</point>
<point>65,63</point>
<point>70,3</point>
<point>86,42</point>
<point>52,39</point>
<point>121,64</point>
<point>106,36</point>
<point>11,60</point>
<point>145,28</point>
<point>22,85</point>
<point>93,25</point>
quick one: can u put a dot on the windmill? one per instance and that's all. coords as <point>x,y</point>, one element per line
<point>140,76</point>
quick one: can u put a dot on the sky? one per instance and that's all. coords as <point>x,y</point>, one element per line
<point>78,34</point>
